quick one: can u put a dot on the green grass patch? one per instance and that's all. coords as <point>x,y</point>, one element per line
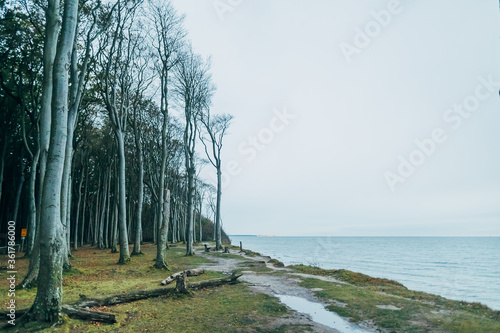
<point>417,312</point>
<point>358,279</point>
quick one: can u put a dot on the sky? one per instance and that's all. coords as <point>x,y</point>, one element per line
<point>355,118</point>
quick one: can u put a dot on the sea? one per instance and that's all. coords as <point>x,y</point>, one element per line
<point>458,268</point>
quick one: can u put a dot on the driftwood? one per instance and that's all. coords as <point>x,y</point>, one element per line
<point>79,309</point>
<point>188,272</point>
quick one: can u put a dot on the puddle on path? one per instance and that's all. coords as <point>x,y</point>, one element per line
<point>319,314</point>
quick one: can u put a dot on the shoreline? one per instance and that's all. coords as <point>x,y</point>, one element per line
<point>439,306</point>
<point>450,276</point>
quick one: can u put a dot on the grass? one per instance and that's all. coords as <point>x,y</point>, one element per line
<point>95,274</point>
<point>359,297</point>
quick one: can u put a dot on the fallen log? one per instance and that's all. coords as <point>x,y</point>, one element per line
<point>145,294</point>
<point>233,279</point>
<point>188,272</point>
<point>81,313</point>
<point>79,309</point>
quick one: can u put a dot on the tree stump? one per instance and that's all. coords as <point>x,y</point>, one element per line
<point>181,283</point>
<point>241,246</point>
<point>226,249</point>
<point>207,248</point>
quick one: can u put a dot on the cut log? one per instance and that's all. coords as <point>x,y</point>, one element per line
<point>80,313</point>
<point>189,272</point>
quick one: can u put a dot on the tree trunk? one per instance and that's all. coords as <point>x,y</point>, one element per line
<point>48,302</point>
<point>189,213</point>
<point>82,230</point>
<point>32,204</point>
<point>66,178</point>
<point>100,239</point>
<point>218,228</point>
<point>78,203</point>
<point>161,247</point>
<point>140,195</point>
<point>108,208</point>
<point>122,209</point>
<point>199,220</point>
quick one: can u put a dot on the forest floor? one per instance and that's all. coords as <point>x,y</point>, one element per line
<point>371,304</point>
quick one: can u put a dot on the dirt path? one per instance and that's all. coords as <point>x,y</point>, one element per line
<point>286,284</point>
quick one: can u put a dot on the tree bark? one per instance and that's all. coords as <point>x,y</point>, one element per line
<point>140,195</point>
<point>161,247</point>
<point>48,302</point>
<point>32,203</point>
<point>218,226</point>
<point>122,205</point>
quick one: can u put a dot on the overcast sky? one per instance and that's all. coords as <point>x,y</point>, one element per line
<point>330,98</point>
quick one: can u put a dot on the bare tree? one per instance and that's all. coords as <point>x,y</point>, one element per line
<point>194,89</point>
<point>168,35</point>
<point>216,128</point>
<point>117,52</point>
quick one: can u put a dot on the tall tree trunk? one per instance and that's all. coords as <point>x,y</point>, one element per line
<point>140,195</point>
<point>108,209</point>
<point>114,229</point>
<point>189,213</point>
<point>48,302</point>
<point>199,220</point>
<point>84,208</point>
<point>162,239</point>
<point>163,214</point>
<point>32,203</point>
<point>78,203</point>
<point>122,211</point>
<point>218,228</point>
<point>66,179</point>
<point>100,239</point>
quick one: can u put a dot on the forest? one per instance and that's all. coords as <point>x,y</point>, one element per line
<point>106,122</point>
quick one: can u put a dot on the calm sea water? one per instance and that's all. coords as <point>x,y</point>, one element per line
<point>459,268</point>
